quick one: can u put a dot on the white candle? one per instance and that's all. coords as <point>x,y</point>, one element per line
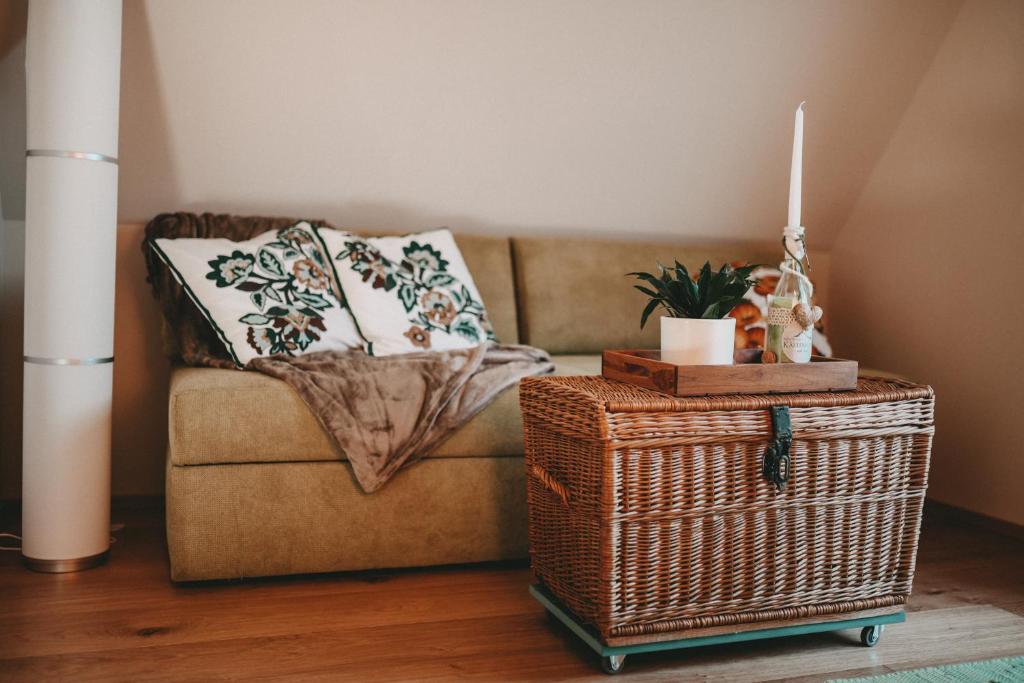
<point>797,171</point>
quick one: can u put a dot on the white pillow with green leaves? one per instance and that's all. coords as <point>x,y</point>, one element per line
<point>270,295</point>
<point>408,294</point>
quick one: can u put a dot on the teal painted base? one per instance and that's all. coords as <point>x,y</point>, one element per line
<point>590,638</point>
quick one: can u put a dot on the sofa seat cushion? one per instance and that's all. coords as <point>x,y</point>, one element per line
<point>226,416</point>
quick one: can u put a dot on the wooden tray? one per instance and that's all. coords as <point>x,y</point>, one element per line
<point>644,368</point>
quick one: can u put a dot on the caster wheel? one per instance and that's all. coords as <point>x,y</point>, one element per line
<point>869,635</point>
<point>613,664</point>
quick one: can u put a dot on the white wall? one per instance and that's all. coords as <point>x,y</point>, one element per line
<point>579,115</point>
<point>926,274</point>
<point>637,118</point>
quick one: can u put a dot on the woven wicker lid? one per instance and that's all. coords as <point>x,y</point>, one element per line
<point>619,397</point>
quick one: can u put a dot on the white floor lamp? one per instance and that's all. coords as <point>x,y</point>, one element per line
<point>73,65</point>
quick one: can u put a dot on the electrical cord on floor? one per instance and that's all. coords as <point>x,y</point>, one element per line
<point>114,528</point>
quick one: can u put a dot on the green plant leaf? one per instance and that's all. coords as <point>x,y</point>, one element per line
<point>716,285</point>
<point>694,292</point>
<point>648,309</point>
<point>658,284</point>
<point>665,273</point>
<point>681,272</point>
<point>649,292</point>
<point>713,295</point>
<point>727,305</point>
<point>735,287</point>
<point>702,284</point>
<point>680,297</point>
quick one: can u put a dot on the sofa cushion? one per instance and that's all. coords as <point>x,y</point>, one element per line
<point>574,296</point>
<point>261,419</point>
<point>408,293</point>
<point>489,260</point>
<point>271,294</point>
<point>490,255</point>
<point>226,416</point>
<point>238,521</point>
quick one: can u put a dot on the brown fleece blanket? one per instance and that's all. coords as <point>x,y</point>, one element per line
<point>383,413</point>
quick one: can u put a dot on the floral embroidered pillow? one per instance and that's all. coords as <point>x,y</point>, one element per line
<point>408,294</point>
<point>270,295</point>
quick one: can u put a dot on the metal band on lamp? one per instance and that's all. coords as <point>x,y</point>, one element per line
<point>86,156</point>
<point>72,66</point>
<point>68,361</point>
<point>64,566</point>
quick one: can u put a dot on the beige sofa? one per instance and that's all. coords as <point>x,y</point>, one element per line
<point>256,488</point>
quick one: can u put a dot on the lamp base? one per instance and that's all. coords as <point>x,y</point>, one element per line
<point>75,564</point>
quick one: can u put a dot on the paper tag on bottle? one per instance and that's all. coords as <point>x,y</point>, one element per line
<point>797,347</point>
<point>795,340</point>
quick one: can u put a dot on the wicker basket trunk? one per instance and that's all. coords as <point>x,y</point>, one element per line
<point>650,514</point>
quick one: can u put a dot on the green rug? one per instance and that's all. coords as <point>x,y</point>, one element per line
<point>1009,670</point>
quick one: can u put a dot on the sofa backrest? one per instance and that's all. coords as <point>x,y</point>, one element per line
<point>570,295</point>
<point>574,296</point>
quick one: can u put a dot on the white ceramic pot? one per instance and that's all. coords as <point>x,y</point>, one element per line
<point>696,341</point>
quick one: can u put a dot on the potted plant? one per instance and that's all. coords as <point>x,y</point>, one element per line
<point>695,329</point>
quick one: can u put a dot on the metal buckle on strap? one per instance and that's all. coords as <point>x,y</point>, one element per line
<point>777,465</point>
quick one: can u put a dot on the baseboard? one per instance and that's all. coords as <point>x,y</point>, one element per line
<point>933,509</point>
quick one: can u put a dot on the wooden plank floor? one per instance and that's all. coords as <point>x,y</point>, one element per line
<point>127,622</point>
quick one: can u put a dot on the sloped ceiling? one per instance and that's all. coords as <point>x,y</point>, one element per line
<point>635,118</point>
